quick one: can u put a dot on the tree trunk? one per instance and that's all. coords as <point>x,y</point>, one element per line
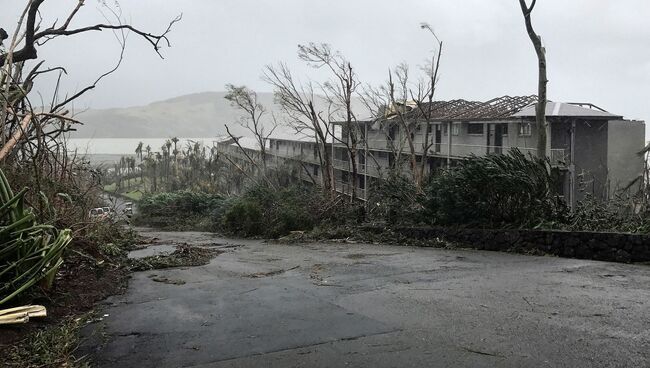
<point>540,110</point>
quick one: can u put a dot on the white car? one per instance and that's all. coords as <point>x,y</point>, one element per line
<point>98,214</point>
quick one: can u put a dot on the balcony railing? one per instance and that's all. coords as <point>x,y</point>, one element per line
<point>346,188</point>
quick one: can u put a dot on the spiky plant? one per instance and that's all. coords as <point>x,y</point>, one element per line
<point>29,252</point>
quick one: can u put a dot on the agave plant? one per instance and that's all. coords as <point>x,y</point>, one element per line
<point>29,252</point>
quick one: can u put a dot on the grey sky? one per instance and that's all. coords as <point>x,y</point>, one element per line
<point>597,49</point>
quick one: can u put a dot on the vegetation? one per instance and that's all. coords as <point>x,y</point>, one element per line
<point>37,224</point>
<point>183,256</point>
<point>495,191</point>
<point>172,168</point>
<point>394,200</point>
<point>269,212</point>
<point>29,252</point>
<point>178,210</point>
<point>53,347</point>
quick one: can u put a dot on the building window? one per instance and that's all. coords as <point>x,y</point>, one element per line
<point>525,129</point>
<point>344,177</point>
<point>504,129</point>
<point>455,129</point>
<point>475,128</point>
<point>315,170</point>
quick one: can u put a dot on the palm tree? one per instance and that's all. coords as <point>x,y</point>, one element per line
<point>138,150</point>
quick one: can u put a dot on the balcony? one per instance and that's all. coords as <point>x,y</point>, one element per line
<point>558,156</point>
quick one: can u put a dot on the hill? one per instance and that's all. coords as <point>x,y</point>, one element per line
<point>195,115</point>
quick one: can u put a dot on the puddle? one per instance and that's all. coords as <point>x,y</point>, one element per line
<point>152,250</point>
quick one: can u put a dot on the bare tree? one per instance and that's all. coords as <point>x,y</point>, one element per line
<point>424,98</point>
<point>297,101</point>
<point>339,92</point>
<point>34,37</point>
<point>38,130</point>
<point>377,101</point>
<point>540,110</point>
<point>409,106</point>
<point>245,99</point>
<point>400,109</point>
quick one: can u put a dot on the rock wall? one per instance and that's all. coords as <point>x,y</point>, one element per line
<point>615,247</point>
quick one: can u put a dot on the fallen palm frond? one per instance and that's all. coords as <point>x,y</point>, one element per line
<point>29,252</point>
<point>21,314</point>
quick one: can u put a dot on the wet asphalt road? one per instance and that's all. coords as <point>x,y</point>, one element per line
<point>353,305</point>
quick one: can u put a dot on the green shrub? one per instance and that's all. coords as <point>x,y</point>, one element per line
<point>243,217</point>
<point>29,252</point>
<point>496,190</point>
<point>271,212</point>
<point>185,202</point>
<point>395,200</point>
<point>183,210</point>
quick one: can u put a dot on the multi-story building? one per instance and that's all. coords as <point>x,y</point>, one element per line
<point>594,150</point>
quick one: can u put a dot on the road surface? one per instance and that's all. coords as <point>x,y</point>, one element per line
<point>355,305</point>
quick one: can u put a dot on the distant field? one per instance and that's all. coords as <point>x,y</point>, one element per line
<point>133,188</point>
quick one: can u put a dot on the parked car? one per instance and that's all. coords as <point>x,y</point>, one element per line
<point>98,214</point>
<point>128,209</point>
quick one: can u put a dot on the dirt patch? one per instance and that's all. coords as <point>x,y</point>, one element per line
<point>184,256</point>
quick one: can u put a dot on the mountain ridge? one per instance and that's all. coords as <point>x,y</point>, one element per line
<point>202,114</point>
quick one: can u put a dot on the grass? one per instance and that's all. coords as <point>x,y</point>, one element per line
<point>135,195</point>
<point>132,188</point>
<point>54,346</point>
<point>110,187</point>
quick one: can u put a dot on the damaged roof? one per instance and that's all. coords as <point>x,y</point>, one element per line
<point>494,109</point>
<point>505,107</point>
<point>575,110</point>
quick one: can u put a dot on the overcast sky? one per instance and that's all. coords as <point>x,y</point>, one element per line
<point>598,50</point>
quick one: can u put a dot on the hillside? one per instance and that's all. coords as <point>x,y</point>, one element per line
<point>195,115</point>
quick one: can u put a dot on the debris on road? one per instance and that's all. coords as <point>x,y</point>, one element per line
<point>166,280</point>
<point>184,255</point>
<point>259,275</point>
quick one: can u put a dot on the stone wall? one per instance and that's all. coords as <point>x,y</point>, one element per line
<point>615,247</point>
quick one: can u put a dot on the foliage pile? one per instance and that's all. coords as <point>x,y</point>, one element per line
<point>29,252</point>
<point>183,256</point>
<point>509,190</point>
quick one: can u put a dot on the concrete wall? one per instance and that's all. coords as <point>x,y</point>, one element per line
<point>590,154</point>
<point>586,245</point>
<point>624,140</point>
